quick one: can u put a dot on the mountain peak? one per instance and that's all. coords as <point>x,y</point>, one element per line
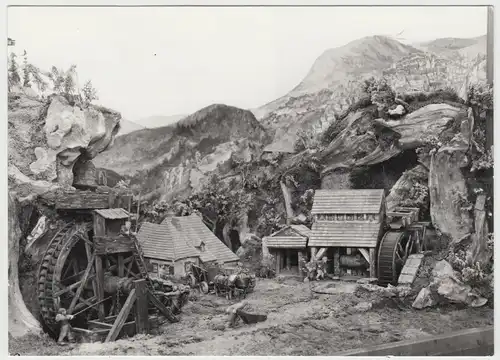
<point>358,57</point>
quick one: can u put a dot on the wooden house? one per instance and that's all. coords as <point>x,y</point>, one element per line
<point>288,246</point>
<point>347,227</point>
<point>178,241</point>
<point>166,250</point>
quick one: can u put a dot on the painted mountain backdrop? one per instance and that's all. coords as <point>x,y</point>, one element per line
<point>159,157</point>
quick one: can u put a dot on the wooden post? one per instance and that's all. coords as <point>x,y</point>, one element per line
<point>278,261</point>
<point>313,252</point>
<point>348,251</point>
<point>122,317</point>
<point>141,306</point>
<point>301,259</point>
<point>121,266</point>
<point>336,261</point>
<point>82,285</point>
<point>373,269</point>
<point>288,259</point>
<point>138,208</point>
<point>100,285</point>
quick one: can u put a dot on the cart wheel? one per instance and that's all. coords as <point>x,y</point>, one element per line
<point>204,287</point>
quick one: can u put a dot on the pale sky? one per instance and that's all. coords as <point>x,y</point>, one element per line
<point>170,60</point>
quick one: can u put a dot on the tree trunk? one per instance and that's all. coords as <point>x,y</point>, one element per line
<point>21,320</point>
<point>479,248</point>
<point>288,202</point>
<point>225,235</point>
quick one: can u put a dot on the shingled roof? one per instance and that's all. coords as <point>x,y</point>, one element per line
<point>163,241</point>
<point>195,232</point>
<point>347,201</point>
<point>113,214</point>
<point>290,237</point>
<point>345,234</point>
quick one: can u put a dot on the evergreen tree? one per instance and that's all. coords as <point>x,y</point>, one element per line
<point>26,72</point>
<point>89,92</point>
<point>14,78</point>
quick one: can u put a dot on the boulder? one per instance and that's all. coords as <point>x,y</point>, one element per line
<point>250,245</point>
<point>447,285</point>
<point>453,291</point>
<point>401,188</point>
<point>424,299</point>
<point>442,270</point>
<point>46,137</point>
<point>448,192</point>
<point>430,120</point>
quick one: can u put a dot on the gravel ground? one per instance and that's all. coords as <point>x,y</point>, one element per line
<point>299,322</point>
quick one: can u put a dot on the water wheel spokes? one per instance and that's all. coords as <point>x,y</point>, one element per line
<point>394,249</point>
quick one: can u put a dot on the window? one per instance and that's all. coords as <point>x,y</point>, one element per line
<point>155,268</point>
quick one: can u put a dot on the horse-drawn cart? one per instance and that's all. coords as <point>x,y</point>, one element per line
<point>227,282</point>
<point>202,278</point>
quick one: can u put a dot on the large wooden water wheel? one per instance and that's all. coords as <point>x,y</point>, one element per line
<point>69,259</point>
<point>394,249</point>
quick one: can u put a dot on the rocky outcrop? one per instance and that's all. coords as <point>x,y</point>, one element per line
<point>449,206</point>
<point>21,321</point>
<point>401,189</point>
<point>251,246</point>
<point>428,121</point>
<point>47,137</point>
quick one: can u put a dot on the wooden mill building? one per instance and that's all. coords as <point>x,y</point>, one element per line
<point>346,229</point>
<point>288,246</point>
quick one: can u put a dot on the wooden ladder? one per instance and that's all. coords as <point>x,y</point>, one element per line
<point>141,264</point>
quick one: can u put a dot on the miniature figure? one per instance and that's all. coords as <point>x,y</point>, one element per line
<point>66,332</point>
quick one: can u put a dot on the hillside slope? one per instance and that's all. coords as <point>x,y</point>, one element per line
<point>127,126</point>
<point>172,158</point>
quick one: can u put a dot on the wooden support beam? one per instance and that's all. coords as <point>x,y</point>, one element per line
<point>365,254</point>
<point>84,303</point>
<point>373,271</point>
<point>101,324</point>
<point>66,289</point>
<point>313,252</point>
<point>278,261</point>
<point>172,293</point>
<point>288,259</point>
<point>141,306</point>
<point>348,251</point>
<point>320,253</point>
<point>336,262</point>
<point>163,309</point>
<point>100,285</point>
<point>121,266</point>
<point>83,282</point>
<point>122,317</point>
<point>113,244</point>
<point>88,251</point>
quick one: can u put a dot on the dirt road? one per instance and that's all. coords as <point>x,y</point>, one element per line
<point>300,322</point>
